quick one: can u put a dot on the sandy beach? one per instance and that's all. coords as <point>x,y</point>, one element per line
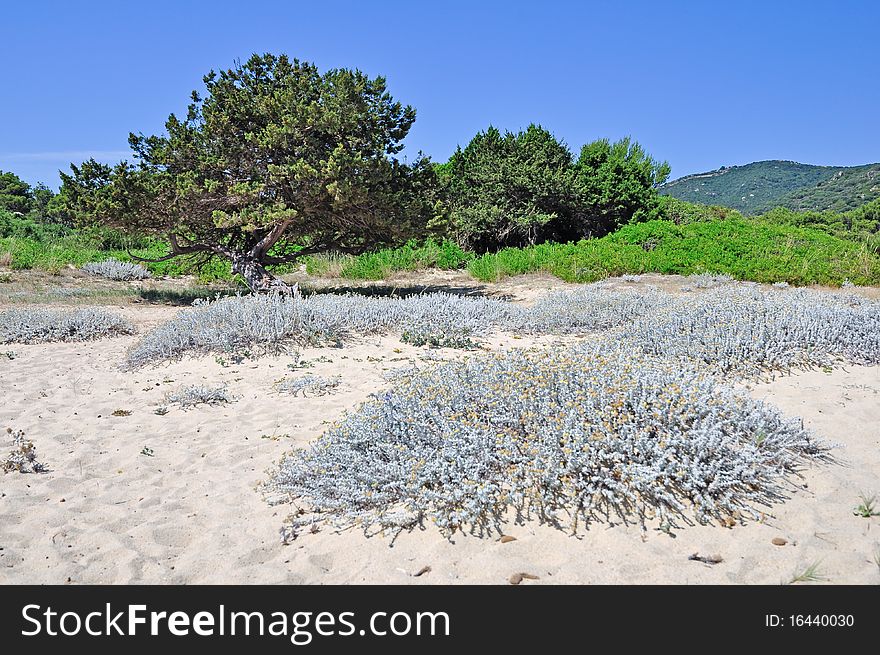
<point>135,496</point>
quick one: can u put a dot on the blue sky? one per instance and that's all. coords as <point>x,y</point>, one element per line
<point>700,84</point>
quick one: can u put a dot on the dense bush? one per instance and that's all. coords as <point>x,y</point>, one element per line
<point>861,224</point>
<point>563,436</point>
<point>15,193</point>
<point>20,227</point>
<point>509,189</point>
<point>44,325</point>
<point>444,255</point>
<point>525,188</point>
<point>746,249</point>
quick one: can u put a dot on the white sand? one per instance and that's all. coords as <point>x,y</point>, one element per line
<point>105,513</point>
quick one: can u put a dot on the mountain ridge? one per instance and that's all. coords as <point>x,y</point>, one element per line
<point>760,186</point>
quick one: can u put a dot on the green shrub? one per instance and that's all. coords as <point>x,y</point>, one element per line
<point>746,249</point>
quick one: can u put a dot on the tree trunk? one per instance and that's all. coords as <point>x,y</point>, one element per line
<point>255,275</point>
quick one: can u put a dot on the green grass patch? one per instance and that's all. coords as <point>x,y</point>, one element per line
<point>414,256</point>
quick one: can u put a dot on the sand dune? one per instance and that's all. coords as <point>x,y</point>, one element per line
<point>108,511</point>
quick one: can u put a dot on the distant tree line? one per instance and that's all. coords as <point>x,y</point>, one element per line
<point>279,160</point>
<point>37,202</point>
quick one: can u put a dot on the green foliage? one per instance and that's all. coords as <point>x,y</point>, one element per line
<point>508,189</point>
<point>616,184</point>
<point>15,193</point>
<point>681,211</point>
<point>48,246</point>
<point>275,162</point>
<point>846,189</point>
<point>42,198</point>
<point>524,188</point>
<point>444,255</point>
<point>861,224</point>
<point>761,186</point>
<point>781,246</point>
<point>745,249</point>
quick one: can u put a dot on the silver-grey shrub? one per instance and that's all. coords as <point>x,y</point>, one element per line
<point>586,309</point>
<point>225,325</point>
<point>36,325</point>
<point>314,385</point>
<point>113,269</point>
<point>737,328</point>
<point>274,322</point>
<point>708,280</point>
<point>23,457</point>
<point>563,435</point>
<point>745,331</point>
<point>194,395</point>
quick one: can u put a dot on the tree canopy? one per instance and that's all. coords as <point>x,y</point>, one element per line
<point>507,189</point>
<point>616,184</point>
<point>15,193</point>
<point>277,160</point>
<point>522,188</point>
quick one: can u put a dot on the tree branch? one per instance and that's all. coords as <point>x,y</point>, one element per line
<point>263,245</point>
<point>176,251</point>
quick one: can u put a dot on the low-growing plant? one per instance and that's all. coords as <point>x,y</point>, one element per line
<point>708,280</point>
<point>427,337</point>
<point>34,325</point>
<point>314,385</point>
<point>868,507</point>
<point>812,573</point>
<point>735,328</point>
<point>23,457</point>
<point>744,249</point>
<point>276,322</point>
<point>191,396</point>
<point>565,435</point>
<point>113,269</point>
<point>745,331</point>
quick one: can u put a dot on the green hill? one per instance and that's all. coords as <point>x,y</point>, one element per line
<point>760,186</point>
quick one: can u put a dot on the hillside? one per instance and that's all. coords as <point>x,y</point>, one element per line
<point>760,186</point>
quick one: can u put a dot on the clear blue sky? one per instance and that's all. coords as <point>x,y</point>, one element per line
<point>701,84</point>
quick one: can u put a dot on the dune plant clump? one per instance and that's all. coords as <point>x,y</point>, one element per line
<point>113,269</point>
<point>224,325</point>
<point>35,325</point>
<point>309,385</point>
<point>565,436</point>
<point>23,457</point>
<point>194,395</point>
<point>708,280</point>
<point>586,308</point>
<point>276,322</point>
<point>733,328</point>
<point>744,331</point>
